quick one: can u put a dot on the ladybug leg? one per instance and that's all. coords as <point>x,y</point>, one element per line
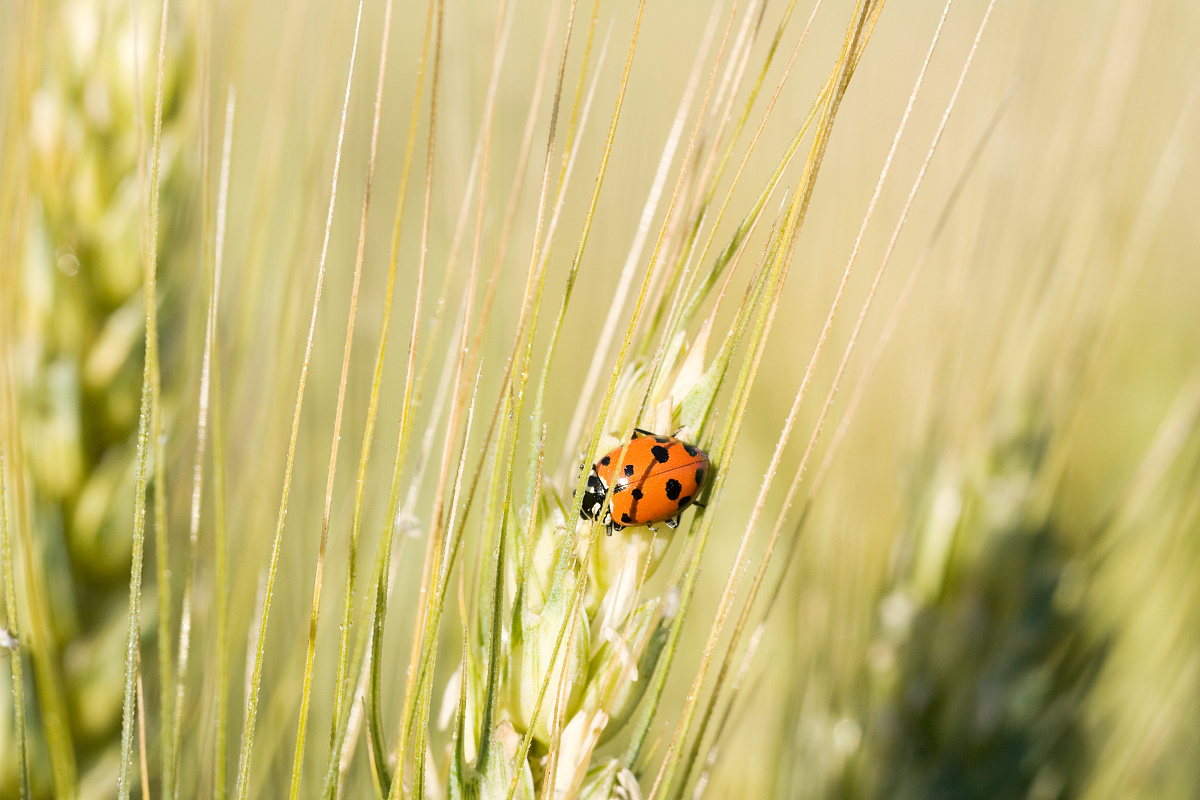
<point>698,505</point>
<point>643,432</point>
<point>673,522</point>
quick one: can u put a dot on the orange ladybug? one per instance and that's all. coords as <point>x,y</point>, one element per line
<point>660,477</point>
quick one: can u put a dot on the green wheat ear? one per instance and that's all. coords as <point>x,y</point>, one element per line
<point>80,343</point>
<point>983,663</point>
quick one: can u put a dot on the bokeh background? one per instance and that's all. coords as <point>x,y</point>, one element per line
<point>992,595</point>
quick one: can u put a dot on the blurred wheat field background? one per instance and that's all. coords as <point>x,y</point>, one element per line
<point>301,350</point>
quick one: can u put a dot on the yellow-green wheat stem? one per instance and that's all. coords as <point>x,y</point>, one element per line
<point>732,585</point>
<point>576,593</point>
<point>22,37</point>
<point>52,699</point>
<point>831,452</point>
<point>135,587</point>
<point>760,296</point>
<point>158,441</point>
<point>27,37</point>
<point>578,123</point>
<point>376,727</point>
<point>502,416</point>
<point>214,284</point>
<point>561,574</point>
<point>515,394</point>
<point>51,694</point>
<point>12,633</point>
<point>769,289</point>
<point>733,248</point>
<point>220,555</point>
<point>492,677</point>
<point>243,782</point>
<point>466,358</point>
<point>732,342</point>
<point>684,313</point>
<point>569,137</point>
<point>306,692</point>
<point>625,281</point>
<point>143,760</point>
<point>892,322</point>
<point>589,454</point>
<point>700,207</point>
<point>341,718</point>
<point>569,153</point>
<point>467,347</point>
<point>207,390</point>
<point>440,577</point>
<point>12,628</point>
<point>855,41</point>
<point>390,784</point>
<point>375,738</point>
<point>148,413</point>
<point>9,249</point>
<point>522,163</point>
<point>732,251</point>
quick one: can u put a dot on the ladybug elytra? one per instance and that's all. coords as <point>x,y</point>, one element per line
<point>660,476</point>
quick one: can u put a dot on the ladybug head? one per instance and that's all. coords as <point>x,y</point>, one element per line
<point>593,497</point>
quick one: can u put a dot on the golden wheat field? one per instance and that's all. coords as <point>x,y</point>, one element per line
<point>316,316</point>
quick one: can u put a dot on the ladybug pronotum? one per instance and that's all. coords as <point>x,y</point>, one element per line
<point>660,477</point>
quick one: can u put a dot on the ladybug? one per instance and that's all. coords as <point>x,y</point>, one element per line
<point>660,477</point>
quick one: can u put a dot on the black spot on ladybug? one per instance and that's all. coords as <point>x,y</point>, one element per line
<point>683,501</point>
<point>629,470</point>
<point>691,451</point>
<point>699,476</point>
<point>674,487</point>
<point>637,494</point>
<point>604,462</point>
<point>660,454</point>
<point>661,439</point>
<point>625,518</point>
